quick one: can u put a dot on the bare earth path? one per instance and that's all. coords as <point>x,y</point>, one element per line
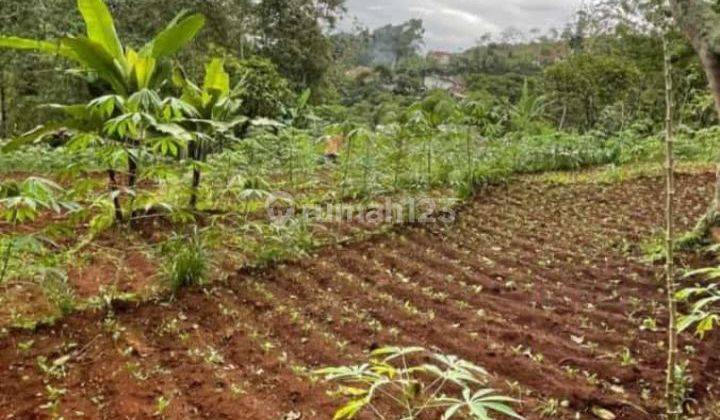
<point>540,284</point>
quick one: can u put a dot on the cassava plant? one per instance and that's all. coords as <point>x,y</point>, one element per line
<point>480,119</point>
<point>416,383</point>
<point>427,117</point>
<point>23,202</point>
<point>397,158</point>
<point>104,124</point>
<point>704,300</point>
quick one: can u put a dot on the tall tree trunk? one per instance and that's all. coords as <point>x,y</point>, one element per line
<point>3,107</point>
<point>700,22</point>
<point>670,389</point>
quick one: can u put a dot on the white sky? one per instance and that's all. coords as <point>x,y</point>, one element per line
<point>454,25</point>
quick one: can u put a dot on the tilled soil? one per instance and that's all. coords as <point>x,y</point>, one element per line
<point>542,285</point>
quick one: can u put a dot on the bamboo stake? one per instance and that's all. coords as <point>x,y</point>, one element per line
<point>670,388</point>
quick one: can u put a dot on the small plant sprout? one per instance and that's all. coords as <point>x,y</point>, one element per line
<point>551,407</point>
<point>161,405</point>
<point>626,357</point>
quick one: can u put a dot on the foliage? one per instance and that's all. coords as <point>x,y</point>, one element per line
<point>22,202</point>
<point>209,114</point>
<point>101,54</point>
<point>291,35</point>
<point>416,382</point>
<point>704,302</point>
<point>187,260</point>
<point>588,83</point>
<point>261,90</point>
<point>527,113</point>
<point>391,44</point>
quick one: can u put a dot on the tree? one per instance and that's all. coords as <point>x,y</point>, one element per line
<point>511,35</point>
<point>25,81</point>
<point>700,21</point>
<point>229,22</point>
<point>527,113</point>
<point>391,44</point>
<point>259,86</point>
<point>427,116</point>
<point>292,35</point>
<point>655,22</point>
<point>588,83</point>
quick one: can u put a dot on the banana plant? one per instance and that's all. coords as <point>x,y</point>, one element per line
<point>529,110</point>
<point>210,114</point>
<point>116,69</point>
<point>101,54</point>
<point>298,114</point>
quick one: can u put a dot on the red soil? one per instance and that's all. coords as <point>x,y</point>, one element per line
<point>526,271</point>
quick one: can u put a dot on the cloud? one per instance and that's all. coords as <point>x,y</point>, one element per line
<point>463,15</point>
<point>454,25</point>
